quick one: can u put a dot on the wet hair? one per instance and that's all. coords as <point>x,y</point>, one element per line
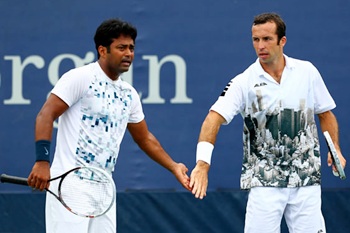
<point>275,18</point>
<point>112,29</point>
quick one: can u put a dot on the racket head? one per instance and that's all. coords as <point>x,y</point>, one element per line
<point>87,191</point>
<point>334,156</point>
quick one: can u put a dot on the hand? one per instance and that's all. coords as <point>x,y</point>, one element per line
<point>341,158</point>
<point>180,173</point>
<point>40,175</point>
<point>199,179</point>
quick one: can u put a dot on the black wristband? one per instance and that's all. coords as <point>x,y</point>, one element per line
<point>42,150</point>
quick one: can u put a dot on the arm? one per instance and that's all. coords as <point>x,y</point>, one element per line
<point>328,122</point>
<point>199,175</point>
<point>51,110</point>
<point>151,146</point>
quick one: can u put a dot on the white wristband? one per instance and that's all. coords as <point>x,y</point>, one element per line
<point>204,151</point>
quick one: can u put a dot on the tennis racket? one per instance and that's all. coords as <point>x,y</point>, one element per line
<point>85,191</point>
<point>334,156</point>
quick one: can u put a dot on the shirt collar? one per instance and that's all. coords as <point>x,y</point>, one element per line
<point>103,74</point>
<point>290,64</point>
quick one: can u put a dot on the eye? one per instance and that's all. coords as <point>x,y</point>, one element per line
<point>121,48</point>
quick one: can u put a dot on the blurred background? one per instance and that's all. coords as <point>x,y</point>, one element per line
<point>186,52</point>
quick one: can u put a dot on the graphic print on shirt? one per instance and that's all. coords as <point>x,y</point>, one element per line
<point>105,113</point>
<point>281,148</point>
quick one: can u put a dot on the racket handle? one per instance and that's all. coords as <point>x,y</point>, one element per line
<point>13,179</point>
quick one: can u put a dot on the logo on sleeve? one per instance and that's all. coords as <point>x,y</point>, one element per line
<point>226,88</point>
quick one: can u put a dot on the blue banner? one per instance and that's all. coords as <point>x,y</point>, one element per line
<point>186,52</point>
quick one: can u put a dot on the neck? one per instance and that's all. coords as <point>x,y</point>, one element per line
<point>275,69</point>
<point>108,71</point>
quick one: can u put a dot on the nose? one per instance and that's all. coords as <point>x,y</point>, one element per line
<point>129,52</point>
<point>261,45</point>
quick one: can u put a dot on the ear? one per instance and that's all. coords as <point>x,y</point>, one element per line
<point>102,51</point>
<point>283,41</point>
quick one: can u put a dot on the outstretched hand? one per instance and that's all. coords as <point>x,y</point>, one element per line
<point>180,173</point>
<point>199,179</point>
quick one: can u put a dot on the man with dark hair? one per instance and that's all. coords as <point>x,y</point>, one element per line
<point>94,107</point>
<point>277,97</point>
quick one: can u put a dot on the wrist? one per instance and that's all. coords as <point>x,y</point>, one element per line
<point>204,152</point>
<point>42,150</point>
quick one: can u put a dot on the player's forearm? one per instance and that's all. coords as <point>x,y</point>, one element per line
<point>328,122</point>
<point>43,128</point>
<point>210,128</point>
<point>155,151</point>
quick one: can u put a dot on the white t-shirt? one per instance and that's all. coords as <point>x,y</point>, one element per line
<point>91,130</point>
<point>281,147</point>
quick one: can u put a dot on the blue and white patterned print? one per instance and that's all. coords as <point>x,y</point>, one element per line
<point>105,113</point>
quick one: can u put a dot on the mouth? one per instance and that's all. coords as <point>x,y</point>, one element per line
<point>263,55</point>
<point>126,62</point>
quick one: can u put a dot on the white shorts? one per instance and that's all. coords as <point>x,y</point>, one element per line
<point>301,208</point>
<point>60,220</point>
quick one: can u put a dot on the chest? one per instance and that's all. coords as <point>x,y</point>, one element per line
<point>106,100</point>
<point>294,91</point>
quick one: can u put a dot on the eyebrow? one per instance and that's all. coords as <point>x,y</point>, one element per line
<point>125,44</point>
<point>262,37</point>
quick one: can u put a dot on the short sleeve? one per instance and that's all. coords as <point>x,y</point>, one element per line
<point>231,100</point>
<point>136,114</point>
<point>71,86</point>
<point>322,98</point>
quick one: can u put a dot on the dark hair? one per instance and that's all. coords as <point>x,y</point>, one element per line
<point>272,17</point>
<point>112,29</point>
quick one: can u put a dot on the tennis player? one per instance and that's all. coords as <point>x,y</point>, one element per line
<point>278,97</point>
<point>95,107</point>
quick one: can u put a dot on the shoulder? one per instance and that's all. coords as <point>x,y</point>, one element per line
<point>81,71</point>
<point>249,73</point>
<point>75,78</point>
<point>303,69</point>
<point>299,63</point>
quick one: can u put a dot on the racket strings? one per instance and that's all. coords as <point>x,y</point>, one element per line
<point>86,192</point>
